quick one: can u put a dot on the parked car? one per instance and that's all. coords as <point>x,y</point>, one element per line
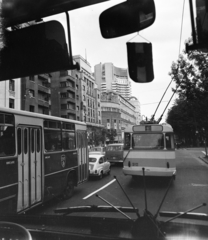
<point>97,150</point>
<point>98,166</point>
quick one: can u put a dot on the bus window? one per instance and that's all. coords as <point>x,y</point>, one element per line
<point>7,140</point>
<point>25,141</point>
<point>38,140</point>
<point>148,141</point>
<point>68,140</point>
<point>127,137</point>
<point>52,140</point>
<point>169,142</point>
<point>19,139</point>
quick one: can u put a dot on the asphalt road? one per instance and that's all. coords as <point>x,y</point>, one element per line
<point>189,190</point>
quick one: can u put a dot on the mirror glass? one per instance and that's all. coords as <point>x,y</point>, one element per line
<point>126,18</point>
<point>33,50</point>
<point>140,62</point>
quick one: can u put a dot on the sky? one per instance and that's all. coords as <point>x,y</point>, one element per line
<point>165,36</point>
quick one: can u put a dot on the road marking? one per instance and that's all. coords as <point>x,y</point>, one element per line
<point>199,185</point>
<point>99,189</point>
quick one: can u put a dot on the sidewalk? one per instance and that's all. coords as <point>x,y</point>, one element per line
<point>204,158</point>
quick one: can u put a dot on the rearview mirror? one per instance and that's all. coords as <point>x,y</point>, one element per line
<point>33,50</point>
<point>127,17</point>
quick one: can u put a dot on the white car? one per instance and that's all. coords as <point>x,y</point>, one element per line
<point>98,166</point>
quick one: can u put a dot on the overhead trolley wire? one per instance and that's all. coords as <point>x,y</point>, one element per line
<point>153,116</point>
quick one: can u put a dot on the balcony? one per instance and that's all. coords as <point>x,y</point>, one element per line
<point>44,89</point>
<point>43,103</point>
<point>66,100</point>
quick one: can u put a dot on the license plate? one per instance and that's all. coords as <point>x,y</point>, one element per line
<point>135,164</point>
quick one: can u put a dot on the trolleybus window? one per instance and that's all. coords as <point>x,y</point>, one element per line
<point>148,140</point>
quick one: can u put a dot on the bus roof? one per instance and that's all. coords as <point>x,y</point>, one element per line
<point>38,115</point>
<point>165,127</point>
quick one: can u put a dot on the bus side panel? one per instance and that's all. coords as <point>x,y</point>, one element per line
<point>57,165</point>
<point>8,185</point>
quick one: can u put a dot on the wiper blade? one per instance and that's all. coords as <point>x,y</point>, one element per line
<point>190,216</point>
<point>93,208</point>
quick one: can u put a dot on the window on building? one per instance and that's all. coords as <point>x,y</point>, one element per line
<point>98,104</point>
<point>108,120</point>
<point>31,93</point>
<point>83,97</point>
<point>77,108</point>
<point>32,78</point>
<point>32,108</point>
<point>98,96</point>
<point>11,103</point>
<point>77,87</point>
<point>63,106</point>
<point>98,113</point>
<point>11,85</point>
<point>77,97</point>
<point>83,87</point>
<point>77,118</point>
<point>99,122</point>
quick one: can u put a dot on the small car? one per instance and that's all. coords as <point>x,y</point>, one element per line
<point>98,166</point>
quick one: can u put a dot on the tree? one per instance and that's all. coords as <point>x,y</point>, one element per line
<point>190,112</point>
<point>111,134</point>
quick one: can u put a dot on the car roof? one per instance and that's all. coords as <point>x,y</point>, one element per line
<point>96,155</point>
<point>115,144</point>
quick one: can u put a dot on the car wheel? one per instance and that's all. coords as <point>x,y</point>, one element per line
<point>69,190</point>
<point>109,171</point>
<point>101,175</point>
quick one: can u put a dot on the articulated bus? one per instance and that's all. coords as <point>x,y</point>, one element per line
<point>149,147</point>
<point>41,157</point>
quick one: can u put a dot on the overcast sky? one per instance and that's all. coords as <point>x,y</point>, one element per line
<point>164,35</point>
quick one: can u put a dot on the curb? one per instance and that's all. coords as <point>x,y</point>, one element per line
<point>204,159</point>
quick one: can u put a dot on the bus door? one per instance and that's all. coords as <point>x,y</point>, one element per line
<point>29,166</point>
<point>82,156</point>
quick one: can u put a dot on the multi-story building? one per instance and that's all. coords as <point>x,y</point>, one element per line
<point>90,94</point>
<point>64,95</point>
<point>117,113</point>
<point>134,101</point>
<point>10,93</point>
<point>36,93</point>
<point>111,78</point>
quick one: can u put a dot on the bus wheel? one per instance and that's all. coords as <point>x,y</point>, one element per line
<point>69,190</point>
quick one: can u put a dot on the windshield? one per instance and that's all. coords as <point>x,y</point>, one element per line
<point>114,148</point>
<point>148,141</point>
<point>46,170</point>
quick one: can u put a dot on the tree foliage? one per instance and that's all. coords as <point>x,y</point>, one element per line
<point>189,115</point>
<point>111,134</point>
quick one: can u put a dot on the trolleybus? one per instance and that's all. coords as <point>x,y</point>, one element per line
<point>41,157</point>
<point>149,148</point>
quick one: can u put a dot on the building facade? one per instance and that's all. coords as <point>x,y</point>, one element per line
<point>117,113</point>
<point>10,91</point>
<point>111,78</point>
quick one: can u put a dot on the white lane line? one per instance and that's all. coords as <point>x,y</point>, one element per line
<point>99,189</point>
